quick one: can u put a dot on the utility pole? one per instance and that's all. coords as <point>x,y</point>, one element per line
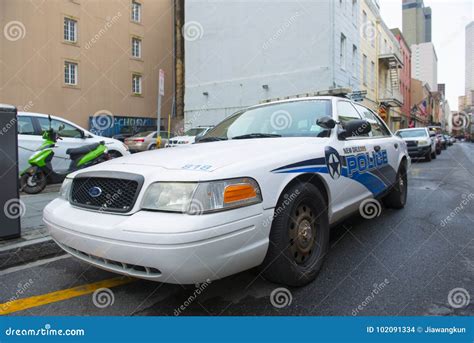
<point>161,92</point>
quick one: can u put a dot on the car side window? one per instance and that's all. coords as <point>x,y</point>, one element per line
<point>381,125</point>
<point>374,124</point>
<point>25,126</point>
<point>346,112</point>
<point>63,129</point>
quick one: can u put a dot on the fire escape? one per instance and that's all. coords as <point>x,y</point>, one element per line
<point>390,95</point>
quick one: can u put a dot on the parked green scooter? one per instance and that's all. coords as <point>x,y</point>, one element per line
<point>40,172</point>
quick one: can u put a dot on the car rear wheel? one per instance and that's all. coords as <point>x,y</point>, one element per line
<point>114,154</point>
<point>299,237</point>
<point>397,197</point>
<point>152,147</point>
<point>33,183</point>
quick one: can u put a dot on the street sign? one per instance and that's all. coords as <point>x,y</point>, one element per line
<point>358,96</point>
<point>162,83</point>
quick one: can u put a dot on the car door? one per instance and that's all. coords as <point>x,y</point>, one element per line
<point>72,137</point>
<point>29,139</point>
<point>352,187</point>
<point>385,147</point>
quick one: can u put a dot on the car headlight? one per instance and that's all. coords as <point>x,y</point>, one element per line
<point>424,142</point>
<point>201,197</point>
<point>65,190</point>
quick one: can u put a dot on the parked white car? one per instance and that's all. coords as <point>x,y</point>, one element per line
<point>31,126</point>
<point>189,136</point>
<point>261,189</point>
<point>420,143</point>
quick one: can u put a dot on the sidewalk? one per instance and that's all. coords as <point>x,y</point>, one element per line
<point>34,243</point>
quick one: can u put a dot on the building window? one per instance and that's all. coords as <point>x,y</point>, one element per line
<point>364,69</point>
<point>365,21</point>
<point>136,84</point>
<point>372,75</point>
<point>136,12</point>
<point>354,60</point>
<point>70,30</point>
<point>70,73</point>
<point>342,55</point>
<point>136,47</point>
<point>372,33</point>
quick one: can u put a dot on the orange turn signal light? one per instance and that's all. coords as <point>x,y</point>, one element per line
<point>239,192</point>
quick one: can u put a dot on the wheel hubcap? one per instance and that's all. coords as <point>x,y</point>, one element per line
<point>302,234</point>
<point>31,181</point>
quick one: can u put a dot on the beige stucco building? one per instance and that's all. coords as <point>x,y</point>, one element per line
<point>72,58</point>
<point>390,63</point>
<point>369,16</point>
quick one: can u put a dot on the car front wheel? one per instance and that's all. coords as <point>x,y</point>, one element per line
<point>397,197</point>
<point>428,156</point>
<point>299,237</point>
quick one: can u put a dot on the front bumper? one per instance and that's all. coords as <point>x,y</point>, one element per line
<point>165,247</point>
<point>419,151</point>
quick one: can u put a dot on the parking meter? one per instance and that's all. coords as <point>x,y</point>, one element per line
<point>11,208</point>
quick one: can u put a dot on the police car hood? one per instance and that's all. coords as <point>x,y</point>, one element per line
<point>212,156</point>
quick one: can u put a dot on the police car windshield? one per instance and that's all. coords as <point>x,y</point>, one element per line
<point>412,133</point>
<point>289,119</point>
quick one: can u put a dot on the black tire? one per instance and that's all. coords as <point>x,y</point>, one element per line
<point>299,237</point>
<point>152,147</point>
<point>33,184</point>
<point>114,154</point>
<point>428,157</point>
<point>433,155</point>
<point>438,152</point>
<point>397,197</point>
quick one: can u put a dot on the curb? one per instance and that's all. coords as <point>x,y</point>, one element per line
<point>27,251</point>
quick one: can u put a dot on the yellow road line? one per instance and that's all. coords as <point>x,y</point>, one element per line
<point>44,299</point>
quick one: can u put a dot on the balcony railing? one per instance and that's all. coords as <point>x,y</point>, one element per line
<point>391,58</point>
<point>390,97</point>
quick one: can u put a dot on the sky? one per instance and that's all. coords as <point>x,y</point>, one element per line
<point>450,18</point>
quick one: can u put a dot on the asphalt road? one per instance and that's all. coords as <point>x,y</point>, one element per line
<point>404,262</point>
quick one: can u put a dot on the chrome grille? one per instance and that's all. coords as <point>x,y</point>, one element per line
<point>104,193</point>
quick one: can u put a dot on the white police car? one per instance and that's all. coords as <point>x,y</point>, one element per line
<point>260,189</point>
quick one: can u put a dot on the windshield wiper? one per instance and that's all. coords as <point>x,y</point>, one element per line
<point>211,139</point>
<point>257,135</point>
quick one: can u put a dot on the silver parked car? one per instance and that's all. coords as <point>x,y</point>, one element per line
<point>146,141</point>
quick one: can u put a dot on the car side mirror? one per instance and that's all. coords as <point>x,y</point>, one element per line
<point>354,128</point>
<point>326,122</point>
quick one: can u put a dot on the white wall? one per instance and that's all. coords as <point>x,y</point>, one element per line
<point>290,46</point>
